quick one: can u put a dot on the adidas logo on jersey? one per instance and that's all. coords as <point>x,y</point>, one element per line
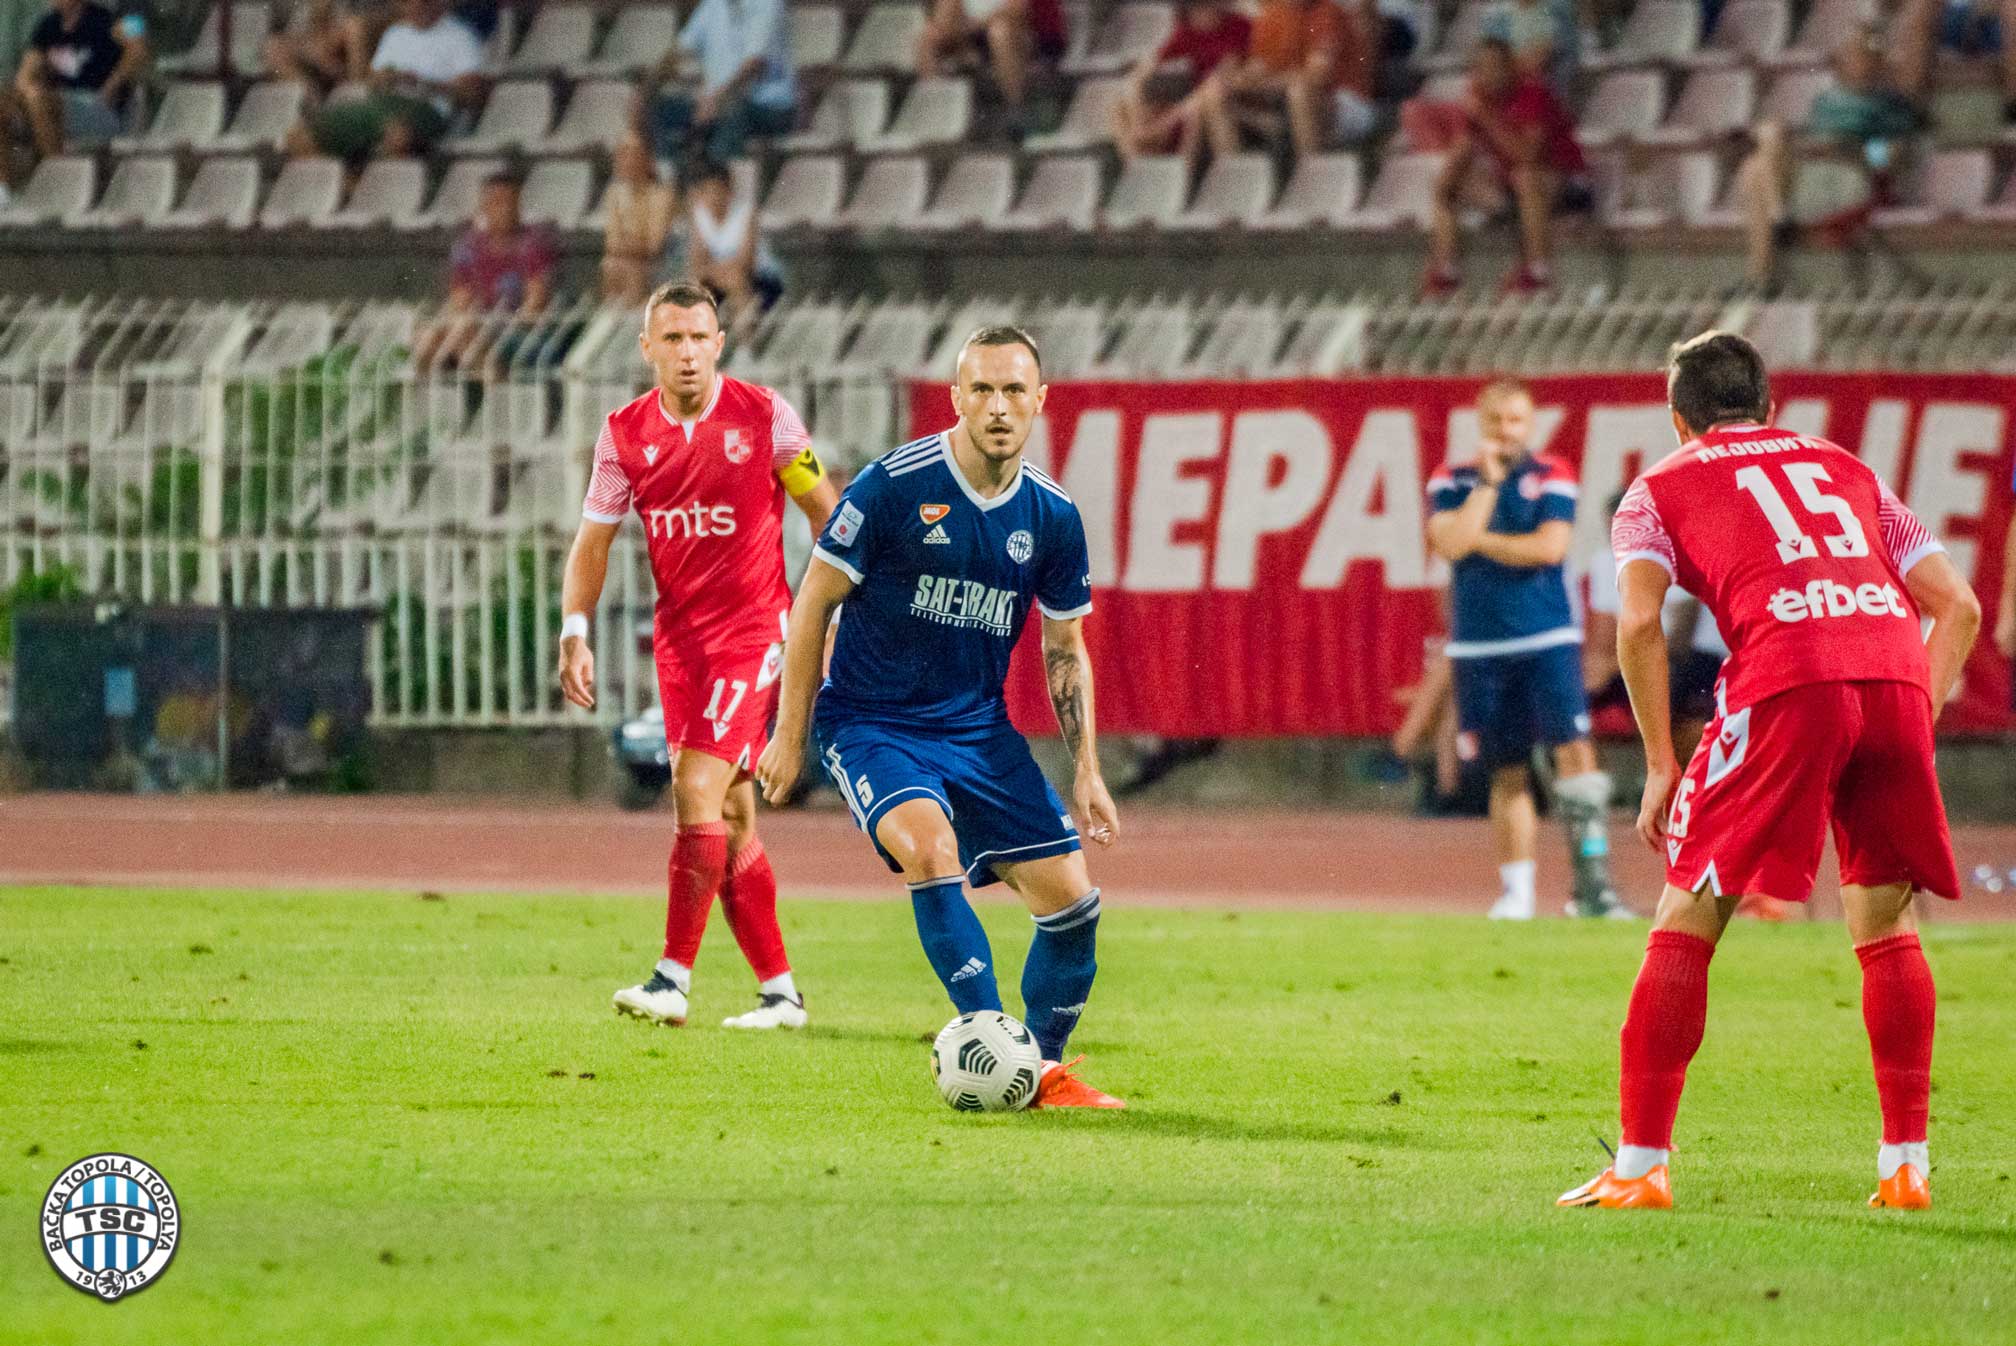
<point>1826,598</point>
<point>973,967</point>
<point>938,537</point>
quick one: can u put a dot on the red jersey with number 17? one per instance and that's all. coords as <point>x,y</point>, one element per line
<point>711,500</point>
<point>1796,547</point>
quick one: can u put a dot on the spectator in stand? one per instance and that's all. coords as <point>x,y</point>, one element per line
<point>427,69</point>
<point>1969,28</point>
<point>500,277</point>
<point>76,80</point>
<point>746,87</point>
<point>1313,58</point>
<point>324,45</point>
<point>1520,128</point>
<point>1152,120</point>
<point>725,250</point>
<point>640,210</point>
<point>1859,128</point>
<point>1545,37</point>
<point>1006,35</point>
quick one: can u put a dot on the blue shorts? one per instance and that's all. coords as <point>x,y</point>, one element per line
<point>1000,805</point>
<point>1508,704</point>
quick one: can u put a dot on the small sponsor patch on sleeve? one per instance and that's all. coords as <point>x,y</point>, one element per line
<point>847,526</point>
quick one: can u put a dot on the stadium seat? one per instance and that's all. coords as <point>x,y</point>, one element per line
<point>264,117</point>
<point>1149,191</point>
<point>891,193</point>
<point>850,112</point>
<point>1063,190</point>
<point>141,192</point>
<point>2002,209</point>
<point>1828,24</point>
<point>1627,104</point>
<point>641,35</point>
<point>251,25</point>
<point>895,338</point>
<point>886,39</point>
<point>1675,188</point>
<point>1088,121</point>
<point>1237,189</point>
<point>1072,336</point>
<point>1789,100</point>
<point>597,117</point>
<point>806,192</point>
<point>1657,31</point>
<point>1950,184</point>
<point>556,192</point>
<point>817,35</point>
<point>305,193</point>
<point>1129,33</point>
<point>976,189</point>
<point>518,114</point>
<point>1459,40</point>
<point>1711,103</point>
<point>1748,31</point>
<point>60,188</point>
<point>808,336</point>
<point>1244,341</point>
<point>224,192</point>
<point>454,202</point>
<point>1154,342</point>
<point>934,112</point>
<point>1402,191</point>
<point>560,38</point>
<point>390,191</point>
<point>191,115</point>
<point>1324,190</point>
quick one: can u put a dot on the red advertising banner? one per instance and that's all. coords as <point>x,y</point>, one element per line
<point>1258,554</point>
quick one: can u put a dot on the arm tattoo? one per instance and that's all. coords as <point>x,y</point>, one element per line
<point>1067,695</point>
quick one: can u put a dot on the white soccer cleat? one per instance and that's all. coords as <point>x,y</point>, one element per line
<point>660,1001</point>
<point>775,1011</point>
<point>1512,907</point>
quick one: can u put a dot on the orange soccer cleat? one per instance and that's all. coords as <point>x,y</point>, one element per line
<point>1059,1088</point>
<point>1906,1189</point>
<point>1610,1192</point>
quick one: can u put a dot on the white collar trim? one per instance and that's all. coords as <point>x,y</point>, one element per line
<point>706,411</point>
<point>959,475</point>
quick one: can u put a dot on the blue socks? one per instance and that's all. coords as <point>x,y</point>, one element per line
<point>955,943</point>
<point>1058,974</point>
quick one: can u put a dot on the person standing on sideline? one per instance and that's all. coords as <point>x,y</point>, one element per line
<point>1504,524</point>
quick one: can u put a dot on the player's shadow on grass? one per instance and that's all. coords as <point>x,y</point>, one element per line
<point>880,1036</point>
<point>1202,1126</point>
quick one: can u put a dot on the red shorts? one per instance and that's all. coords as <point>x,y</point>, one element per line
<point>1752,812</point>
<point>719,703</point>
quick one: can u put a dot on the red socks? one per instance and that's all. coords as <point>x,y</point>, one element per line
<point>1898,1007</point>
<point>699,860</point>
<point>1662,1031</point>
<point>749,901</point>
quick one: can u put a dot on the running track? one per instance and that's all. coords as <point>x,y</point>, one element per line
<point>1189,857</point>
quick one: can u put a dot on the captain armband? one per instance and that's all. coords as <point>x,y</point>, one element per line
<point>802,473</point>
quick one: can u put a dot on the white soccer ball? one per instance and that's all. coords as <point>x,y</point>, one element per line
<point>986,1062</point>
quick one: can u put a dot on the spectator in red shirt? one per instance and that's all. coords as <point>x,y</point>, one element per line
<point>1518,126</point>
<point>500,277</point>
<point>1153,120</point>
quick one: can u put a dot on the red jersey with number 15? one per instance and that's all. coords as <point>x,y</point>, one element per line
<point>1796,547</point>
<point>712,503</point>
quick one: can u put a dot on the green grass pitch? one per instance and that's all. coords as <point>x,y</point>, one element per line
<point>399,1120</point>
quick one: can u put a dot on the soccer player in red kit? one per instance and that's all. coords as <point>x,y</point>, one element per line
<point>706,461</point>
<point>1821,580</point>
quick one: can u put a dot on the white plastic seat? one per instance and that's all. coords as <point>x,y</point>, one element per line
<point>1656,31</point>
<point>1063,190</point>
<point>1711,103</point>
<point>1243,341</point>
<point>191,115</point>
<point>1789,100</point>
<point>225,191</point>
<point>891,192</point>
<point>597,116</point>
<point>1154,341</point>
<point>1324,190</point>
<point>806,192</point>
<point>390,191</point>
<point>560,38</point>
<point>935,112</point>
<point>454,203</point>
<point>1676,188</point>
<point>1828,24</point>
<point>894,338</point>
<point>556,192</point>
<point>1951,184</point>
<point>1132,31</point>
<point>817,34</point>
<point>1626,105</point>
<point>977,190</point>
<point>1402,191</point>
<point>2002,209</point>
<point>886,39</point>
<point>1747,32</point>
<point>264,117</point>
<point>141,192</point>
<point>251,25</point>
<point>518,113</point>
<point>1237,189</point>
<point>306,193</point>
<point>1088,121</point>
<point>850,112</point>
<point>1149,191</point>
<point>641,35</point>
<point>60,188</point>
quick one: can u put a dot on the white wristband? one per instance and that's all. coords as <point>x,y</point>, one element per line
<point>574,624</point>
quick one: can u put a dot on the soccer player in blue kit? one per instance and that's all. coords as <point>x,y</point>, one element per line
<point>938,550</point>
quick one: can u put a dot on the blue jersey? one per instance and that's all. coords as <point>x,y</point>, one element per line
<point>945,579</point>
<point>1498,609</point>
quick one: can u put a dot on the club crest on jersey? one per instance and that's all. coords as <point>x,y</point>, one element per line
<point>1021,546</point>
<point>737,448</point>
<point>1529,487</point>
<point>931,514</point>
